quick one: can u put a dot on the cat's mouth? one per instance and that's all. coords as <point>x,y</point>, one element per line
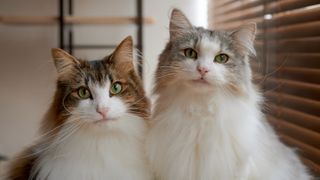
<point>104,120</point>
<point>201,81</point>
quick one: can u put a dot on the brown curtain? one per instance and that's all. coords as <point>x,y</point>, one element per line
<point>287,65</point>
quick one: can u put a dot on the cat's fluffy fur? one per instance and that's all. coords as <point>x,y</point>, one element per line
<point>76,146</point>
<point>213,130</point>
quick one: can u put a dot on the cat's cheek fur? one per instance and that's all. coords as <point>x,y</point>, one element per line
<point>217,75</point>
<point>118,108</point>
<point>86,108</point>
<point>188,70</point>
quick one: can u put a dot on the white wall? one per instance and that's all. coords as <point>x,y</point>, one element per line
<point>26,71</point>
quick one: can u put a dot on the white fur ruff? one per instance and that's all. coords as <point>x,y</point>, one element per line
<point>216,137</point>
<point>94,153</point>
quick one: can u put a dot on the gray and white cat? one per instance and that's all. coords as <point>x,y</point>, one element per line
<point>207,122</point>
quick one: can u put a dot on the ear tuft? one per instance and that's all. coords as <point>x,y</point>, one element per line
<point>245,36</point>
<point>179,24</point>
<point>63,60</point>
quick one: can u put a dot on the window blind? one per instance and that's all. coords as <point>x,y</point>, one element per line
<point>287,65</point>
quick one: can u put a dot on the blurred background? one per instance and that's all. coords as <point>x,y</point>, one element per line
<point>286,68</point>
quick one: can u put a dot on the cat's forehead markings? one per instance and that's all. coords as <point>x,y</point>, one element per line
<point>93,83</point>
<point>100,90</point>
<point>210,45</point>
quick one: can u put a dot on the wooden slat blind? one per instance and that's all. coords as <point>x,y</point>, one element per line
<point>287,65</point>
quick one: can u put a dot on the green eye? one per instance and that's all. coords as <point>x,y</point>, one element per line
<point>84,93</point>
<point>190,53</point>
<point>116,88</point>
<point>221,58</point>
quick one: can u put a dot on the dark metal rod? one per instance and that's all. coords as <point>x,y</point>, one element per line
<point>70,41</point>
<point>70,7</point>
<point>70,34</point>
<point>61,24</point>
<point>140,34</point>
<point>3,158</point>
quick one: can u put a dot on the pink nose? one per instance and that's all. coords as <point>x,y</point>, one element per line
<point>103,111</point>
<point>202,70</point>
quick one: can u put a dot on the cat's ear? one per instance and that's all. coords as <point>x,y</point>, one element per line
<point>63,61</point>
<point>179,24</point>
<point>245,36</point>
<point>123,55</point>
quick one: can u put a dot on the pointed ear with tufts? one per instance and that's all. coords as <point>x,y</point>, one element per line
<point>63,61</point>
<point>122,56</point>
<point>179,24</point>
<point>245,36</point>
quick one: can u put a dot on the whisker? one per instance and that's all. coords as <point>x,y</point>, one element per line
<point>49,144</point>
<point>165,75</point>
<point>136,102</point>
<point>274,71</point>
<point>61,139</point>
<point>173,68</point>
<point>48,133</point>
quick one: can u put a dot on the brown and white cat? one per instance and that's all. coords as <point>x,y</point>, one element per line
<point>95,127</point>
<point>207,122</point>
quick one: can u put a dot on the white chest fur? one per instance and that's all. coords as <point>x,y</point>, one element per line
<point>195,139</point>
<point>83,156</point>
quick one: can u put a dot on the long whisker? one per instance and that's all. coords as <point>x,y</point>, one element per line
<point>71,130</point>
<point>67,133</point>
<point>166,75</point>
<point>173,68</point>
<point>71,124</point>
<point>274,71</point>
<point>48,134</point>
<point>137,101</point>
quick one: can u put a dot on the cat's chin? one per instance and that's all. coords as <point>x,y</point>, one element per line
<point>103,121</point>
<point>200,85</point>
<point>201,82</point>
